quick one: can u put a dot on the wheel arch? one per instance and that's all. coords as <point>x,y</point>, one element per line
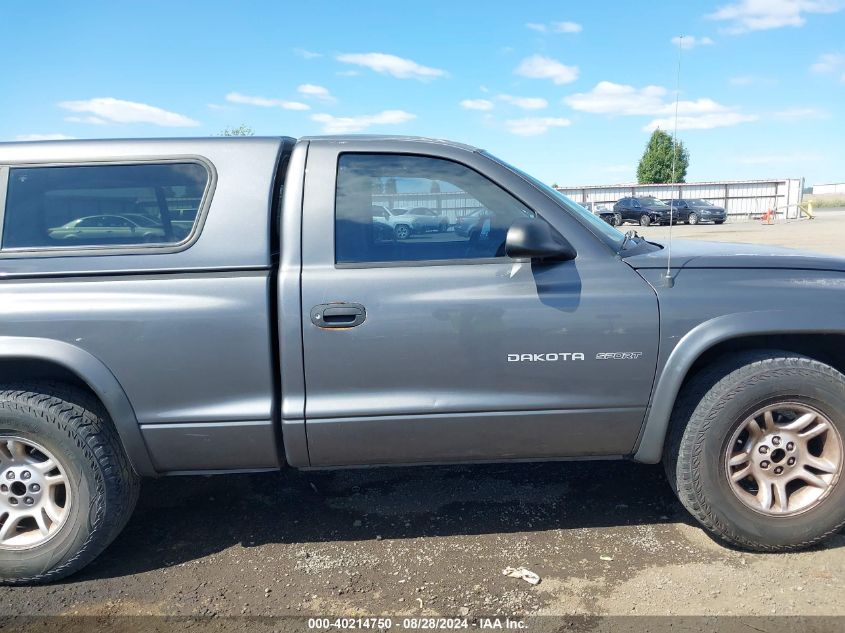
<point>25,358</point>
<point>819,336</point>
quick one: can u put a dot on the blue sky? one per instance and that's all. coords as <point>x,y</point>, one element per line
<point>567,91</point>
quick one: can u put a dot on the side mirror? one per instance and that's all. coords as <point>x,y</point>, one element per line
<point>534,239</point>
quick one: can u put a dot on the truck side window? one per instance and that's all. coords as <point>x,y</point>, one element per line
<point>402,208</point>
<point>102,205</point>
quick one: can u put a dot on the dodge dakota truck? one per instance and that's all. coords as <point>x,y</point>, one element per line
<point>232,304</point>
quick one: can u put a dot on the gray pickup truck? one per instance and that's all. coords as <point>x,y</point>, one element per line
<point>216,305</point>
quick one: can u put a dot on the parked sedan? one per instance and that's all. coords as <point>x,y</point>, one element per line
<point>695,210</point>
<point>109,227</point>
<point>642,210</point>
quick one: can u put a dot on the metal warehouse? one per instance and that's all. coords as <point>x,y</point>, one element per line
<point>741,199</point>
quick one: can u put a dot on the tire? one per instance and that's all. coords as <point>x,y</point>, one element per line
<point>100,487</point>
<point>645,220</point>
<point>444,227</point>
<point>718,221</point>
<point>692,218</point>
<point>402,232</point>
<point>718,403</point>
<point>616,221</point>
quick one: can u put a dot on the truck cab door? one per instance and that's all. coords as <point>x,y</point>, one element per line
<point>440,348</point>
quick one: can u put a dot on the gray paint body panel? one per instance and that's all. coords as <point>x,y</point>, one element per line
<point>433,351</point>
<point>749,302</point>
<point>178,342</point>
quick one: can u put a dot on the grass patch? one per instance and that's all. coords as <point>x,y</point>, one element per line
<point>826,200</point>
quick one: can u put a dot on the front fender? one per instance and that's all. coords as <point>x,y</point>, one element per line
<point>704,336</point>
<point>97,376</point>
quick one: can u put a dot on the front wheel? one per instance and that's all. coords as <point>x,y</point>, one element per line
<point>756,450</point>
<point>66,486</point>
<point>402,232</point>
<point>645,220</point>
<point>692,218</point>
<point>718,221</point>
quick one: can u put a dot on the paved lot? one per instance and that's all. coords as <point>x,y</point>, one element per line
<point>825,234</point>
<point>606,537</point>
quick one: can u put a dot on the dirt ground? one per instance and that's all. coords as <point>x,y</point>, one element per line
<point>606,538</point>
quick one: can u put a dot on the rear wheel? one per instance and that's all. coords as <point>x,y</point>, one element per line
<point>692,218</point>
<point>645,220</point>
<point>756,450</point>
<point>66,486</point>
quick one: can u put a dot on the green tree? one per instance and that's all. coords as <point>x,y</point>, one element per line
<point>241,130</point>
<point>656,164</point>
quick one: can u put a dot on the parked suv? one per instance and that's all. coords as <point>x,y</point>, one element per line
<point>696,210</point>
<point>407,222</point>
<point>644,211</point>
<point>283,327</point>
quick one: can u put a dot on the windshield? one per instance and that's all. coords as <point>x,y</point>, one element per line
<point>698,202</point>
<point>652,202</point>
<point>592,221</point>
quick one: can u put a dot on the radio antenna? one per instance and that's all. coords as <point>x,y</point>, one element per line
<point>668,280</point>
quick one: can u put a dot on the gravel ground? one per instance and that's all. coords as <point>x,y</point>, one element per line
<point>607,538</point>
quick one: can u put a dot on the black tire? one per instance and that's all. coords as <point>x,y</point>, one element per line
<point>718,221</point>
<point>645,220</point>
<point>103,486</point>
<point>692,218</point>
<point>402,231</point>
<point>709,409</point>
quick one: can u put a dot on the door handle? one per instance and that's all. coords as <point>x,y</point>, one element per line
<point>338,315</point>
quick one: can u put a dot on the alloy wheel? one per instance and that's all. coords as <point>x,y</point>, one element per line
<point>784,459</point>
<point>34,494</point>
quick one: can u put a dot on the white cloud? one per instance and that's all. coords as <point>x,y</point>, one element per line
<point>623,100</point>
<point>567,27</point>
<point>539,67</point>
<point>526,103</point>
<point>43,137</point>
<point>830,63</point>
<point>760,15</point>
<point>342,125</point>
<point>111,110</point>
<point>701,122</point>
<point>93,120</point>
<point>315,92</point>
<point>611,98</point>
<point>620,99</point>
<point>306,54</point>
<point>534,126</point>
<point>264,102</point>
<point>386,64</point>
<point>477,104</point>
<point>690,41</point>
<point>555,27</point>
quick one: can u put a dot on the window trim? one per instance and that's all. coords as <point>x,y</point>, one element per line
<point>424,262</point>
<point>108,249</point>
